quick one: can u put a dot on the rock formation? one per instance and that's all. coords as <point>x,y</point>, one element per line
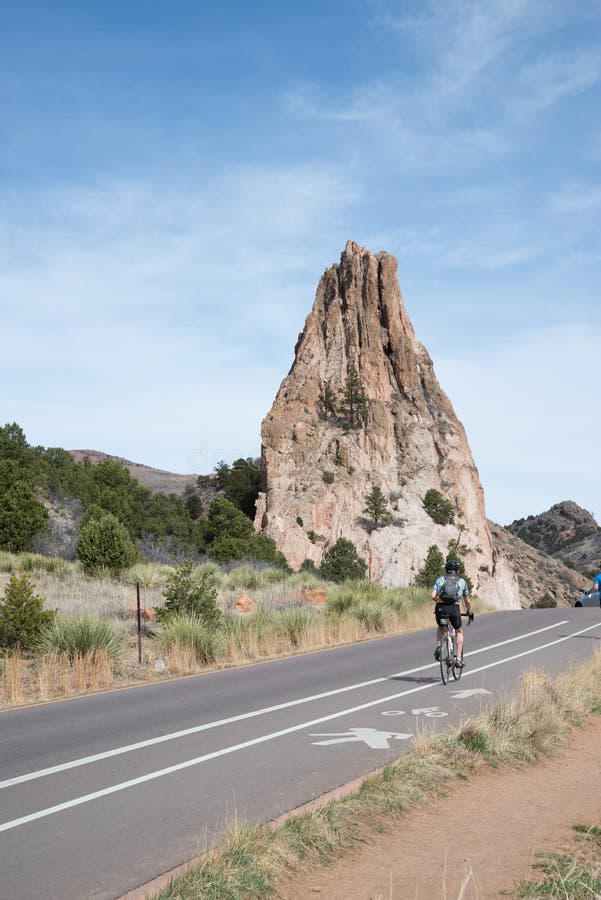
<point>319,465</point>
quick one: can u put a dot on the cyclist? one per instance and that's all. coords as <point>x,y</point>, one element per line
<point>448,591</point>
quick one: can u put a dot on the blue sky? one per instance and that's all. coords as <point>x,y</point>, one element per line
<point>175,177</point>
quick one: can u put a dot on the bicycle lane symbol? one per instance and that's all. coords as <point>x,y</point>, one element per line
<point>377,740</point>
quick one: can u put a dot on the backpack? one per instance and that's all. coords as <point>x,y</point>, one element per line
<point>450,592</point>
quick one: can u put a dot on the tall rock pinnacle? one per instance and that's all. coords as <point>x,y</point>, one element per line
<point>318,469</point>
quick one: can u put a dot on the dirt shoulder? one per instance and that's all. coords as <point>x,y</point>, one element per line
<point>490,831</point>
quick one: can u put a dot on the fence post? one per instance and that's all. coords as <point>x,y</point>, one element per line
<point>139,612</point>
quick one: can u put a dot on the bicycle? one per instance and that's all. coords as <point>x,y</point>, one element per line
<point>448,658</point>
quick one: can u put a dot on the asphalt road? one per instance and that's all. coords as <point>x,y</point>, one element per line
<point>100,794</point>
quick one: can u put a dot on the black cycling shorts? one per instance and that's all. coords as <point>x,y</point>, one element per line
<point>452,611</point>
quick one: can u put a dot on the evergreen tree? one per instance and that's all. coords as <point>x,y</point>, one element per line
<point>438,508</point>
<point>341,562</point>
<point>22,614</point>
<point>243,485</point>
<point>376,506</point>
<point>105,543</point>
<point>225,518</point>
<point>353,401</point>
<point>432,569</point>
<point>21,513</point>
<point>326,402</point>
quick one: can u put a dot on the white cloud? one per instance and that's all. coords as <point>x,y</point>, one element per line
<point>148,320</point>
<point>554,77</point>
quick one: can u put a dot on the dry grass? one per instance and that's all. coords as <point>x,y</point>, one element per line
<point>53,675</point>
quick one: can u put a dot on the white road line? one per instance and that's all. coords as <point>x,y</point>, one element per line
<point>151,776</point>
<point>150,742</point>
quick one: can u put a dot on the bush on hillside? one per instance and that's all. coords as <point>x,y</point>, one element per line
<point>341,562</point>
<point>191,591</point>
<point>105,543</point>
<point>22,614</point>
<point>438,508</point>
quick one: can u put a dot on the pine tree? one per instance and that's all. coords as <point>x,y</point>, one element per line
<point>341,562</point>
<point>432,569</point>
<point>105,543</point>
<point>22,614</point>
<point>376,506</point>
<point>326,402</point>
<point>353,401</point>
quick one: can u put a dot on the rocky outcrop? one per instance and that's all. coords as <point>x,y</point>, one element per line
<point>540,577</point>
<point>318,468</point>
<point>557,529</point>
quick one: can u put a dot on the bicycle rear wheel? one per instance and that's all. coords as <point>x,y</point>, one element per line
<point>445,659</point>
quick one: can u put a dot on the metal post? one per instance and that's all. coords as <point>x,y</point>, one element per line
<point>139,611</point>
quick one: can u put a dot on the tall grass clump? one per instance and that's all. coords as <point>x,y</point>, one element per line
<point>295,623</point>
<point>340,602</point>
<point>370,616</point>
<point>190,631</point>
<point>80,635</point>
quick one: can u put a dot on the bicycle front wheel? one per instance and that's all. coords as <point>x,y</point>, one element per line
<point>456,670</point>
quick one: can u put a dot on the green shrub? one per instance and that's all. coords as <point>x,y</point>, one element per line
<point>105,543</point>
<point>299,521</point>
<point>438,508</point>
<point>341,562</point>
<point>190,631</point>
<point>192,592</point>
<point>22,616</point>
<point>328,477</point>
<point>78,635</point>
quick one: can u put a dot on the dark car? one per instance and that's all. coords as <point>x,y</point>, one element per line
<point>591,598</point>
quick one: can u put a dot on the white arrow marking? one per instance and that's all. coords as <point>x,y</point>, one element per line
<point>430,712</point>
<point>461,695</point>
<point>377,740</point>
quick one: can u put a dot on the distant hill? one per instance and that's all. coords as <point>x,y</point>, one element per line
<point>154,479</point>
<point>540,577</point>
<point>566,531</point>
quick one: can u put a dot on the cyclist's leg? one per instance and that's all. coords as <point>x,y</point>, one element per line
<point>459,643</point>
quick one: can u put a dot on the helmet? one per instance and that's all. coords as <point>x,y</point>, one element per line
<point>452,565</point>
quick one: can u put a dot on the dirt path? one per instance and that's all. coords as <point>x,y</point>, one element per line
<point>501,819</point>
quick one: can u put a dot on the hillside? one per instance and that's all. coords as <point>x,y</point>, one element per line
<point>154,479</point>
<point>539,575</point>
<point>565,531</point>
